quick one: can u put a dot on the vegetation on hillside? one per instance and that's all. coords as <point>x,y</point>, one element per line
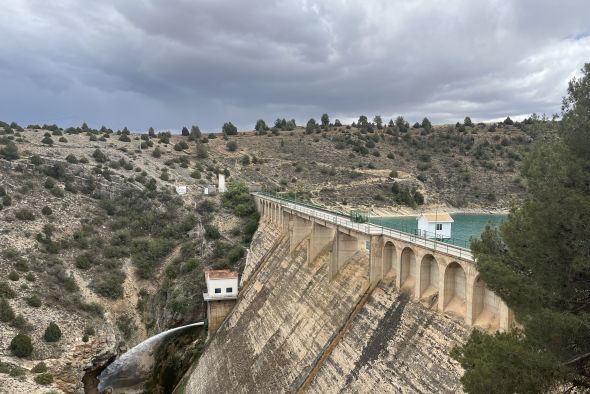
<point>539,264</point>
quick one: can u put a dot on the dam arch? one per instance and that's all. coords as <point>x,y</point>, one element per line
<point>408,270</point>
<point>455,290</point>
<point>429,277</point>
<point>389,259</point>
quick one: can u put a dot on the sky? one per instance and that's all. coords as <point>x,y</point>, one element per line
<point>171,63</point>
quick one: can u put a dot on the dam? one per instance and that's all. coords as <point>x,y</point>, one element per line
<point>328,305</point>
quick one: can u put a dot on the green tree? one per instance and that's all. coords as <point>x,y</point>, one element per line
<point>21,345</point>
<point>539,264</point>
<point>52,333</point>
<point>426,125</point>
<point>195,133</point>
<point>401,124</point>
<point>185,132</point>
<point>325,121</point>
<point>311,126</point>
<point>260,126</point>
<point>229,129</point>
<point>157,153</point>
<point>378,122</point>
<point>467,122</point>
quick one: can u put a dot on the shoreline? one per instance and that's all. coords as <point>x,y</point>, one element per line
<point>408,212</point>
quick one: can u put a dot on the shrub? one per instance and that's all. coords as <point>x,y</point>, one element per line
<point>85,261</point>
<point>99,156</point>
<point>13,276</point>
<point>49,183</point>
<point>232,146</point>
<point>6,291</point>
<point>39,368</point>
<point>109,285</point>
<point>181,146</point>
<point>71,159</point>
<point>63,139</point>
<point>46,211</point>
<point>6,311</point>
<point>44,379</point>
<point>212,232</point>
<point>30,277</point>
<point>157,153</point>
<point>47,141</point>
<point>36,160</point>
<point>124,138</point>
<point>21,345</point>
<point>24,214</point>
<point>52,333</point>
<point>34,301</point>
<point>57,192</point>
<point>7,201</point>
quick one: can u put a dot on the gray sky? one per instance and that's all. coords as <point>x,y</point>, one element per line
<point>169,63</point>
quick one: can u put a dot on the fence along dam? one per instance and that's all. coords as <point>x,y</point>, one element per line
<point>429,271</point>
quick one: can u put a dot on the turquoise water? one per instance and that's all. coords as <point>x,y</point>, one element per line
<point>463,228</point>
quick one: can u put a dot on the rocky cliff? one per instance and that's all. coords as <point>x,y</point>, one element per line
<point>294,329</point>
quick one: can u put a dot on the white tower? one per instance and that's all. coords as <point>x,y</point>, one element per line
<point>221,186</point>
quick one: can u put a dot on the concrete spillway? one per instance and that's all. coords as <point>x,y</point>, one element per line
<point>295,328</point>
<point>131,370</point>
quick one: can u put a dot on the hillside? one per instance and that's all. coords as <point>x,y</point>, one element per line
<point>94,238</point>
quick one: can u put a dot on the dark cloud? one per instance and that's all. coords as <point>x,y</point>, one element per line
<point>168,63</point>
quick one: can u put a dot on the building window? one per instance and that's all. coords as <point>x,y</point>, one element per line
<point>438,226</point>
<point>228,289</point>
<point>218,290</point>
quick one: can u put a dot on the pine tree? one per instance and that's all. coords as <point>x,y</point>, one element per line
<point>539,264</point>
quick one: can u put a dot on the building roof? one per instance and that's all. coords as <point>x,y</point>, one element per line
<point>221,274</point>
<point>438,217</point>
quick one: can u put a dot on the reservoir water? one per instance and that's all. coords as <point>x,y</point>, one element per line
<point>463,228</point>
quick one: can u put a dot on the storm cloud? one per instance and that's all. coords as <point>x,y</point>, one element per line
<point>169,63</point>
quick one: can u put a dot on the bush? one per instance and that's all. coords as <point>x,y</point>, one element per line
<point>181,146</point>
<point>21,345</point>
<point>24,214</point>
<point>34,301</point>
<point>232,146</point>
<point>46,211</point>
<point>44,379</point>
<point>109,285</point>
<point>99,156</point>
<point>52,333</point>
<point>47,141</point>
<point>85,261</point>
<point>13,276</point>
<point>6,311</point>
<point>211,232</point>
<point>6,291</point>
<point>49,183</point>
<point>63,139</point>
<point>157,153</point>
<point>71,159</point>
<point>30,277</point>
<point>39,368</point>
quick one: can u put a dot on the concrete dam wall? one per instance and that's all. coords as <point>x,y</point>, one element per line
<point>296,330</point>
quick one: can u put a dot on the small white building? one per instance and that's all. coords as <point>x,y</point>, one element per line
<point>435,225</point>
<point>221,185</point>
<point>181,189</point>
<point>221,285</point>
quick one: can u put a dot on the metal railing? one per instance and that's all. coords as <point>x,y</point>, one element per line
<point>343,220</point>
